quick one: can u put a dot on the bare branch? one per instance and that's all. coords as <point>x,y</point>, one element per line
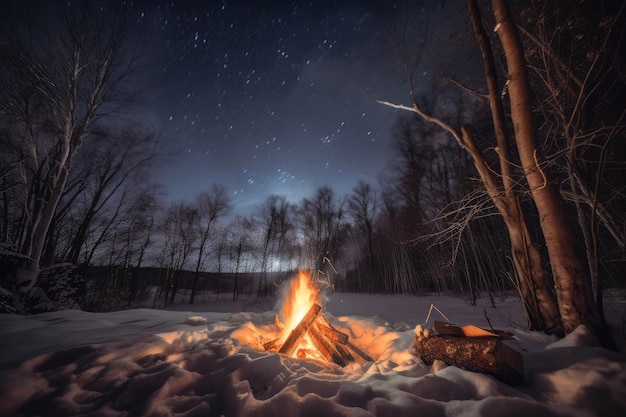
<point>415,109</point>
<point>466,88</point>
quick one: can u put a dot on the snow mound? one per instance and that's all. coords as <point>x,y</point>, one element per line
<point>164,363</point>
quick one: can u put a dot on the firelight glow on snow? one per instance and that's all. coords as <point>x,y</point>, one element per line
<point>211,363</point>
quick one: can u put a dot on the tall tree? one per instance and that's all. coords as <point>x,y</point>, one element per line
<point>362,207</point>
<point>211,206</point>
<point>322,220</point>
<point>274,221</point>
<point>178,234</point>
<point>570,274</point>
<point>140,226</point>
<point>572,303</point>
<point>240,244</point>
<point>581,118</point>
<point>533,283</point>
<point>60,76</point>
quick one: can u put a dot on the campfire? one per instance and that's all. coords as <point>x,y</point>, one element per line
<point>304,331</point>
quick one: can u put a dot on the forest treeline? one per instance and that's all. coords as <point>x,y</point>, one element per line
<point>459,209</point>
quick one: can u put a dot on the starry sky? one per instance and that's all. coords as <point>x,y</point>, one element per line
<point>276,97</point>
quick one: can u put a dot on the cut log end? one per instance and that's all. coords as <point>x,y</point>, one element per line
<point>485,355</point>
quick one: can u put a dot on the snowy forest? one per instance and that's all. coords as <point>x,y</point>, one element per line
<point>500,183</point>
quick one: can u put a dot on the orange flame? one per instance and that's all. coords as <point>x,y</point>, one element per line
<point>301,295</point>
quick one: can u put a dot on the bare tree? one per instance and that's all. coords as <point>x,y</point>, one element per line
<point>322,221</point>
<point>429,174</point>
<point>141,225</point>
<point>573,289</point>
<point>121,158</point>
<point>240,237</point>
<point>211,206</point>
<point>362,207</point>
<point>106,228</point>
<point>118,245</point>
<point>275,225</point>
<point>60,78</point>
<point>540,304</point>
<point>575,56</point>
<point>220,249</point>
<point>178,231</point>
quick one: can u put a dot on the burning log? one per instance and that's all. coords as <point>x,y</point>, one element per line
<point>331,344</point>
<point>360,352</point>
<point>313,337</point>
<point>329,351</point>
<point>472,349</point>
<point>272,345</point>
<point>296,334</point>
<point>329,331</point>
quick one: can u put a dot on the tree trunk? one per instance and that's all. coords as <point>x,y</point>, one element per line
<point>196,275</point>
<point>539,303</point>
<point>573,288</point>
<point>40,231</point>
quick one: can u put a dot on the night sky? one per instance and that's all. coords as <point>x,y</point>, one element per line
<point>270,97</point>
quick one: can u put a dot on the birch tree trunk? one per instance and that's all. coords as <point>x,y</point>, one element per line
<point>570,274</point>
<point>539,302</point>
<point>74,69</point>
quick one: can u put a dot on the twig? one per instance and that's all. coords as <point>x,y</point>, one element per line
<point>470,90</point>
<point>439,311</point>
<point>325,260</point>
<point>488,321</point>
<point>543,175</point>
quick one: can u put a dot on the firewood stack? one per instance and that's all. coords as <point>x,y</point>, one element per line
<point>333,345</point>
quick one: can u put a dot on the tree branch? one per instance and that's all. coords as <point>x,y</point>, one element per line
<point>466,88</point>
<point>426,117</point>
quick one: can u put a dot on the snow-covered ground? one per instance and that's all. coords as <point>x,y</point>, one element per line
<point>207,362</point>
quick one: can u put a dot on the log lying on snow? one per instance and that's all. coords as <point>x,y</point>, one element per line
<point>486,353</point>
